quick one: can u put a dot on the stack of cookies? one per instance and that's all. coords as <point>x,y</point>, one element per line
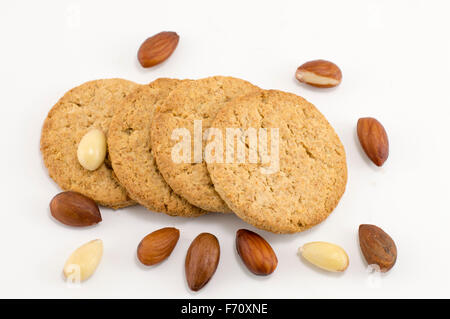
<point>289,180</point>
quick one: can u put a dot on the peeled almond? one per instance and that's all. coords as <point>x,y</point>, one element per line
<point>84,261</point>
<point>91,150</point>
<point>325,255</point>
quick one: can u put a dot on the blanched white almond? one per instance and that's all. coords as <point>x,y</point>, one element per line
<point>92,149</point>
<point>325,255</point>
<point>83,261</point>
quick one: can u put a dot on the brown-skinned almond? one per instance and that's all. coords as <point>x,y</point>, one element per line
<point>157,246</point>
<point>256,253</point>
<point>157,48</point>
<point>202,259</point>
<point>373,139</point>
<point>319,73</point>
<point>74,209</point>
<point>377,247</point>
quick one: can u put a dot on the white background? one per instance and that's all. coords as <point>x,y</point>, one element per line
<point>395,59</point>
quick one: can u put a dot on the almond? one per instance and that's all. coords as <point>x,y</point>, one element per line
<point>157,48</point>
<point>74,209</point>
<point>256,253</point>
<point>91,150</point>
<point>157,246</point>
<point>325,255</point>
<point>377,247</point>
<point>83,262</point>
<point>373,139</point>
<point>319,73</point>
<point>202,259</point>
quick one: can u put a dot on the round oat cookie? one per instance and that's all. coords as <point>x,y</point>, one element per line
<point>193,100</point>
<point>312,173</point>
<point>88,106</point>
<point>131,152</point>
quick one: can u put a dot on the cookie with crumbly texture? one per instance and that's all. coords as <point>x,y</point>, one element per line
<point>88,106</point>
<point>312,172</point>
<point>131,152</point>
<point>190,101</point>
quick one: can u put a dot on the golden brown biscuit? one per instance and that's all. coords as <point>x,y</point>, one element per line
<point>131,152</point>
<point>192,100</point>
<point>312,170</point>
<point>90,105</point>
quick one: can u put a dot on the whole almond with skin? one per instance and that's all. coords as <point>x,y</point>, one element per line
<point>157,48</point>
<point>157,246</point>
<point>256,253</point>
<point>319,73</point>
<point>377,247</point>
<point>373,139</point>
<point>202,259</point>
<point>74,209</point>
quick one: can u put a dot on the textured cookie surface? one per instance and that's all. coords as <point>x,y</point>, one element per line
<point>88,106</point>
<point>190,101</point>
<point>131,152</point>
<point>312,171</point>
